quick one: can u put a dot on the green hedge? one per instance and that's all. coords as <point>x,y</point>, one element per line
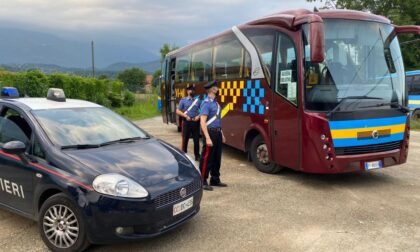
<point>33,83</point>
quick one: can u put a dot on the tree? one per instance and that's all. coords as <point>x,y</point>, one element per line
<point>133,79</point>
<point>165,49</point>
<point>401,12</point>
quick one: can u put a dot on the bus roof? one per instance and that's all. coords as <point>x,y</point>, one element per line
<point>291,18</point>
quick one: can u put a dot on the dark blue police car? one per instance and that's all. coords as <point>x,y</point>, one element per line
<point>88,175</point>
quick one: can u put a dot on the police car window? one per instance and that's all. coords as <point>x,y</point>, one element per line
<point>14,127</point>
<point>80,126</point>
<point>36,149</point>
<point>9,131</point>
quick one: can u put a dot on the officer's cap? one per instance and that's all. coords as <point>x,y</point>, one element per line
<point>210,84</point>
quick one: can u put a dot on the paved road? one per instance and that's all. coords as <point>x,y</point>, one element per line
<point>374,211</point>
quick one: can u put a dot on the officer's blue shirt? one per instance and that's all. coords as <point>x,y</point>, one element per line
<point>186,102</point>
<point>209,108</point>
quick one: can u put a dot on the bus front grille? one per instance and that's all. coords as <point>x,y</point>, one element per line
<point>368,148</point>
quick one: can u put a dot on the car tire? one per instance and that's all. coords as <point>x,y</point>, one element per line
<point>61,225</point>
<point>260,158</point>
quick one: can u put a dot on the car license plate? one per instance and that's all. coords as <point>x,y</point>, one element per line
<point>373,165</point>
<point>183,206</point>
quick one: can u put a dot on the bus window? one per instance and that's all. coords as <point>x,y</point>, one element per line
<point>415,85</point>
<point>182,68</point>
<point>202,65</point>
<point>228,60</point>
<point>264,43</point>
<point>286,77</point>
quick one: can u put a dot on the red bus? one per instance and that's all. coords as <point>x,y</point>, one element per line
<point>318,92</point>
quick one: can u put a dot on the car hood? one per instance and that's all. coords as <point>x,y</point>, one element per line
<point>148,162</point>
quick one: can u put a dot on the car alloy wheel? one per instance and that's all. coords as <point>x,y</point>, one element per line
<point>61,226</point>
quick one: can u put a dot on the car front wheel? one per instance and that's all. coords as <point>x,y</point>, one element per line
<point>61,225</point>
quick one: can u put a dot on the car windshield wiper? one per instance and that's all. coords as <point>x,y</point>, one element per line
<point>351,97</point>
<point>123,140</point>
<point>392,104</point>
<point>80,146</point>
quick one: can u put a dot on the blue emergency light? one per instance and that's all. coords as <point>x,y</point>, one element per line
<point>9,92</point>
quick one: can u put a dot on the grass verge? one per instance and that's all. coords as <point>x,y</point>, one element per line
<point>415,124</point>
<point>144,107</point>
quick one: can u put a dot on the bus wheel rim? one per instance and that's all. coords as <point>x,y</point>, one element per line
<point>262,154</point>
<point>61,226</point>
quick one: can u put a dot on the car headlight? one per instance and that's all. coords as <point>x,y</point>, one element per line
<point>193,163</point>
<point>118,185</point>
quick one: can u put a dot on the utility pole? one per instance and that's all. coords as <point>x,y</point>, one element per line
<point>93,59</point>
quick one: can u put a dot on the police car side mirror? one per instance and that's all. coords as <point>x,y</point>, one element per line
<point>14,148</point>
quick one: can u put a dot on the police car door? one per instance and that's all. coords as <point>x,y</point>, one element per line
<point>16,178</point>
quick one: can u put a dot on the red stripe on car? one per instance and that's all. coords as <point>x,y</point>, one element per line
<point>50,171</point>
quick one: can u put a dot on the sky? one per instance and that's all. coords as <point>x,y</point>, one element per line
<point>146,23</point>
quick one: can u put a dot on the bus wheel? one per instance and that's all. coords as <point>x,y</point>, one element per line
<point>260,157</point>
<point>61,225</point>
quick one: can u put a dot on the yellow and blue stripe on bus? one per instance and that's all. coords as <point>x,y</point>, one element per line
<point>349,133</point>
<point>414,102</point>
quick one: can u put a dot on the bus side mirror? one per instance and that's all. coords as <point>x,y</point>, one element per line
<point>317,42</point>
<point>413,29</point>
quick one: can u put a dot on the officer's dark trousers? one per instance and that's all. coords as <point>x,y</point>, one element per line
<point>188,128</point>
<point>211,157</point>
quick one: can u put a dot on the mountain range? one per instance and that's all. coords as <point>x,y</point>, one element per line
<point>22,50</point>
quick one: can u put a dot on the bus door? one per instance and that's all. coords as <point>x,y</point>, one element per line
<point>284,109</point>
<point>163,90</point>
<point>171,93</point>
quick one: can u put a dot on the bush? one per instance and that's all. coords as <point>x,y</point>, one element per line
<point>129,98</point>
<point>102,91</point>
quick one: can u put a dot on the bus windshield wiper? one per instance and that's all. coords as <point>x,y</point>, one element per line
<point>80,146</point>
<point>351,97</point>
<point>392,104</point>
<point>122,140</point>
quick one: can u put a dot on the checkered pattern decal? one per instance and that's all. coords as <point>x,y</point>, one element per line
<point>253,94</point>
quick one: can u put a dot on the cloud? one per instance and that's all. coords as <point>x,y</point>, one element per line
<point>146,22</point>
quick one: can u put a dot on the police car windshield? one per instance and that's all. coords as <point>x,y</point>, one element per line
<point>85,126</point>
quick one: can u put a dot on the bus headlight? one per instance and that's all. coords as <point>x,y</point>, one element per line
<point>118,185</point>
<point>193,163</point>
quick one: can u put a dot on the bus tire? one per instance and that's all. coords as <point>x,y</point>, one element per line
<point>260,158</point>
<point>59,216</point>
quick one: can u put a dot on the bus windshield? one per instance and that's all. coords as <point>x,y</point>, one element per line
<point>355,74</point>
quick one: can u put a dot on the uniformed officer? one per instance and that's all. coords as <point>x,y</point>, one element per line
<point>211,155</point>
<point>188,109</point>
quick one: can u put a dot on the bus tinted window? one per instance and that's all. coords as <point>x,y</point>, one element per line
<point>202,65</point>
<point>286,77</point>
<point>414,85</point>
<point>264,42</point>
<point>182,68</point>
<point>228,60</point>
